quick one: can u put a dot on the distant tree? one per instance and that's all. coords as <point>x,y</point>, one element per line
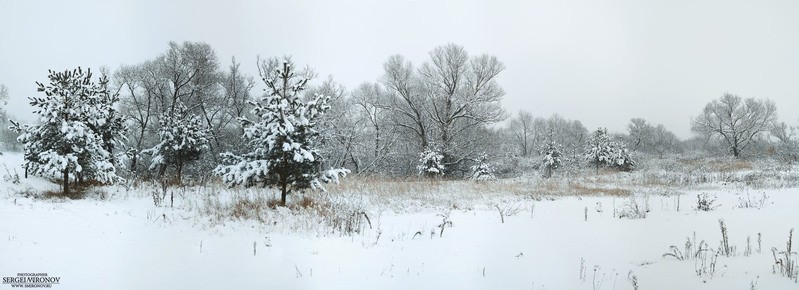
<point>342,127</point>
<point>7,137</point>
<point>602,151</point>
<point>644,137</point>
<point>664,141</point>
<point>640,133</point>
<point>282,142</point>
<point>68,143</point>
<point>407,100</point>
<point>598,150</point>
<point>482,170</point>
<point>551,156</point>
<point>371,103</point>
<point>138,105</point>
<point>236,95</point>
<point>787,145</point>
<point>621,159</point>
<point>463,95</point>
<point>3,101</point>
<point>521,127</point>
<point>431,163</point>
<point>736,121</point>
<point>182,139</point>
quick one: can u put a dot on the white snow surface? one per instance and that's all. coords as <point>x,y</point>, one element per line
<point>125,242</point>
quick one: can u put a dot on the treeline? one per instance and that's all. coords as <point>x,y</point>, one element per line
<point>447,104</point>
<point>183,109</point>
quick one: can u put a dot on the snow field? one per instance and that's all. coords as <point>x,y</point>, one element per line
<point>125,242</point>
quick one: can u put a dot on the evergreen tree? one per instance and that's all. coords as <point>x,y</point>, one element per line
<point>621,159</point>
<point>68,144</point>
<point>601,151</point>
<point>598,149</point>
<point>183,139</point>
<point>106,123</point>
<point>431,163</point>
<point>283,141</point>
<point>482,171</point>
<point>551,156</point>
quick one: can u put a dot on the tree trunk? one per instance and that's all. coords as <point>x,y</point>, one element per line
<point>283,192</point>
<point>66,182</point>
<point>133,162</point>
<point>180,172</point>
<point>161,170</point>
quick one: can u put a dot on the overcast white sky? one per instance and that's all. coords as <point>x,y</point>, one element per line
<point>602,62</point>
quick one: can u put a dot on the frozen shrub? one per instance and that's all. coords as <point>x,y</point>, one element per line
<point>635,208</point>
<point>706,202</point>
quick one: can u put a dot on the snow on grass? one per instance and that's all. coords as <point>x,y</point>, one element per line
<point>561,242</point>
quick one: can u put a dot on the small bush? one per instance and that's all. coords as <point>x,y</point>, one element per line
<point>749,201</point>
<point>635,208</point>
<point>706,202</point>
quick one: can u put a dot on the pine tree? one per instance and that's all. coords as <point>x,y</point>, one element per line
<point>598,150</point>
<point>621,159</point>
<point>183,139</point>
<point>482,171</point>
<point>106,123</point>
<point>601,151</point>
<point>431,163</point>
<point>551,156</point>
<point>283,140</point>
<point>67,144</point>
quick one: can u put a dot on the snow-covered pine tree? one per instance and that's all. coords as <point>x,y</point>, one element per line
<point>482,171</point>
<point>110,125</point>
<point>283,140</point>
<point>621,158</point>
<point>64,145</point>
<point>598,150</point>
<point>601,151</point>
<point>431,163</point>
<point>183,139</point>
<point>551,156</point>
<point>106,123</point>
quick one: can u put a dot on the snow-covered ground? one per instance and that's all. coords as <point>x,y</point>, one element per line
<point>567,242</point>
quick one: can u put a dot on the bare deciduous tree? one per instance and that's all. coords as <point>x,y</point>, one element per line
<point>407,101</point>
<point>787,145</point>
<point>371,104</point>
<point>3,101</point>
<point>463,92</point>
<point>521,127</point>
<point>236,87</point>
<point>640,133</point>
<point>736,121</point>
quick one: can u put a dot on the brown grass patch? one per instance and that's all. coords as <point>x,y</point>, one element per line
<point>245,208</point>
<point>580,189</point>
<point>717,165</point>
<point>306,202</point>
<point>735,166</point>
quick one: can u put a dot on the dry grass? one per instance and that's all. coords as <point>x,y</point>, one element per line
<point>583,190</point>
<point>713,165</point>
<point>252,208</point>
<point>466,194</point>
